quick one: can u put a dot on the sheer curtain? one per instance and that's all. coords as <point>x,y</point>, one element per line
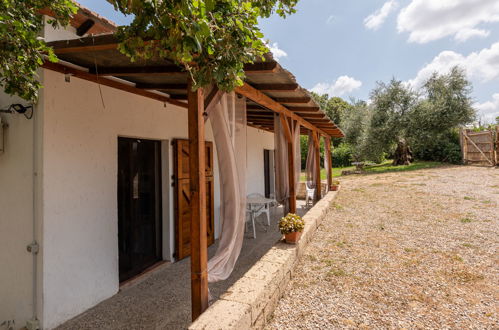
<point>228,121</point>
<point>311,166</point>
<point>327,162</point>
<point>297,152</point>
<point>281,164</point>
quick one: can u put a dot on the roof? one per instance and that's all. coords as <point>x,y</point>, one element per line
<point>89,21</point>
<point>100,56</point>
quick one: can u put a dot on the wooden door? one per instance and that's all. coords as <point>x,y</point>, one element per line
<point>139,205</point>
<point>182,197</point>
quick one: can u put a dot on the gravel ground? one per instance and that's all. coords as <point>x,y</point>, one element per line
<point>413,250</point>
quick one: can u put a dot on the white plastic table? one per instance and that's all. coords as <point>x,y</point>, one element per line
<point>257,205</point>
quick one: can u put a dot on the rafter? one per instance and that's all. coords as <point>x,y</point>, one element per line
<point>110,83</point>
<point>264,100</point>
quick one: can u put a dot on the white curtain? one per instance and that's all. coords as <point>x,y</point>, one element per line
<point>327,162</point>
<point>228,121</point>
<point>311,166</point>
<point>281,164</point>
<point>297,152</point>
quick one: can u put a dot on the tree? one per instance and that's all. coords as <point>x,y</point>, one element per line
<point>334,107</point>
<point>445,105</point>
<point>391,107</point>
<point>355,125</point>
<point>211,39</point>
<point>22,49</point>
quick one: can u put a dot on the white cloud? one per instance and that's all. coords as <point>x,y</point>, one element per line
<point>465,34</point>
<point>482,66</point>
<point>276,51</point>
<point>330,19</point>
<point>488,111</point>
<point>376,19</point>
<point>341,86</point>
<point>428,20</point>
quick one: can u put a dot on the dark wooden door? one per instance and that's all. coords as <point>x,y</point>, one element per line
<point>182,197</point>
<point>268,170</point>
<point>139,205</point>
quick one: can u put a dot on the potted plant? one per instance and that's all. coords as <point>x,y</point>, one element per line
<point>291,226</point>
<point>334,185</point>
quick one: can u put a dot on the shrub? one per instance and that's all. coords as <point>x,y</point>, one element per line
<point>444,148</point>
<point>291,223</point>
<point>342,155</point>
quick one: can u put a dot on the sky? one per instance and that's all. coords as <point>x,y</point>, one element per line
<point>343,48</point>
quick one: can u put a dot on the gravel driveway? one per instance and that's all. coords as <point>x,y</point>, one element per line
<point>402,250</point>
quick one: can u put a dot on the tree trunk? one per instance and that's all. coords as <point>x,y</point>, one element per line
<point>403,154</point>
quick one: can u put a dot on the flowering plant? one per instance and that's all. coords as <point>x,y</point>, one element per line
<point>291,223</point>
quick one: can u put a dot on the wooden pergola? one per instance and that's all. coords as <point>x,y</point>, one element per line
<point>268,89</point>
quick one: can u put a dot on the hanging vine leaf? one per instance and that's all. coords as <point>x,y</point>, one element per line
<point>211,39</point>
<point>21,47</point>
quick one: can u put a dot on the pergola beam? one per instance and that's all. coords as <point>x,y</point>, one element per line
<point>110,83</point>
<point>197,160</point>
<point>260,98</point>
<point>165,70</point>
<point>297,100</point>
<point>276,87</point>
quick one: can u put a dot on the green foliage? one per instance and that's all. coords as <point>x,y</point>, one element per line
<point>291,223</point>
<point>428,121</point>
<point>342,155</point>
<point>211,39</point>
<point>355,125</point>
<point>22,49</point>
<point>444,147</point>
<point>334,107</point>
<point>391,107</point>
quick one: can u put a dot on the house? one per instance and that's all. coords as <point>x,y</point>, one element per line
<point>86,193</point>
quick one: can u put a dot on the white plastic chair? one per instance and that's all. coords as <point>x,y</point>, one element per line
<point>255,210</point>
<point>309,197</point>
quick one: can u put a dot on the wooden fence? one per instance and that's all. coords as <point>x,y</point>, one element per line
<point>480,148</point>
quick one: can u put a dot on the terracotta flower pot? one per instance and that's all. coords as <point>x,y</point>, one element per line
<point>293,238</point>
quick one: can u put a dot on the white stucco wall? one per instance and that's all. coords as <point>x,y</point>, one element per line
<point>80,186</point>
<point>16,215</point>
<point>257,141</point>
<point>77,203</point>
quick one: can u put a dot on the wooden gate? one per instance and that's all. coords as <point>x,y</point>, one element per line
<point>480,148</point>
<point>182,197</point>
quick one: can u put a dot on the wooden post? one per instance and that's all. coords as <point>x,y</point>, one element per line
<point>317,147</point>
<point>329,170</point>
<point>291,163</point>
<point>199,249</point>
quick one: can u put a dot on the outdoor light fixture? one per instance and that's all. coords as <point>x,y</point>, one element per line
<point>26,110</point>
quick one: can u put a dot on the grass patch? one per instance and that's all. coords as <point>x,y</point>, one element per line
<point>337,206</point>
<point>467,198</point>
<point>466,220</point>
<point>388,167</point>
<point>379,168</point>
<point>312,258</point>
<point>467,245</point>
<point>336,272</point>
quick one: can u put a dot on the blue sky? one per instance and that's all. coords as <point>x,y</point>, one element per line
<point>344,47</point>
